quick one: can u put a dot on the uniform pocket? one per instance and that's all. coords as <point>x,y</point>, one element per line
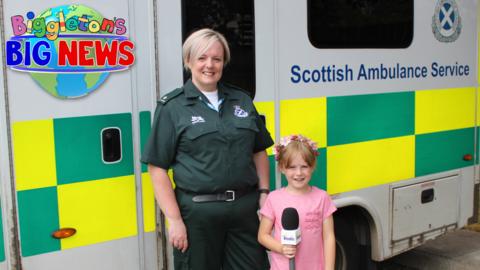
<point>247,123</point>
<point>245,132</point>
<point>196,131</point>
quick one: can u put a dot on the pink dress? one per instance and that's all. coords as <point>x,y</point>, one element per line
<point>313,208</point>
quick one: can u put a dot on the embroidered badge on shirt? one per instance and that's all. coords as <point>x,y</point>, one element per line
<point>239,112</point>
<point>197,119</point>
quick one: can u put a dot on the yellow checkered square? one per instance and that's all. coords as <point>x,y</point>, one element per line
<point>148,203</point>
<point>34,154</point>
<point>444,109</point>
<point>365,164</point>
<point>305,116</point>
<point>100,210</point>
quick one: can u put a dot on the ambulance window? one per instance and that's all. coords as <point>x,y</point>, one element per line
<point>234,19</point>
<point>360,23</point>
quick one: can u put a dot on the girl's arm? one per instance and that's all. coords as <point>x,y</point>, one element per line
<point>266,239</point>
<point>329,243</point>
<point>165,196</point>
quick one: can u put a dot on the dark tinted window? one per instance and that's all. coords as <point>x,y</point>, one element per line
<point>360,23</point>
<point>234,19</point>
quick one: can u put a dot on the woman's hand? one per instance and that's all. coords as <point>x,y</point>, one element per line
<point>162,187</point>
<point>177,233</point>
<point>289,251</point>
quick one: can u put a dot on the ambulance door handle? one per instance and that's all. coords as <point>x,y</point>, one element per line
<point>111,145</point>
<point>428,195</point>
<point>64,233</point>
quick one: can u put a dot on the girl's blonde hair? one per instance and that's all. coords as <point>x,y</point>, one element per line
<point>199,42</point>
<point>294,145</point>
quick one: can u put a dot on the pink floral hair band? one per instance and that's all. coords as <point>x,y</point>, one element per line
<point>277,148</point>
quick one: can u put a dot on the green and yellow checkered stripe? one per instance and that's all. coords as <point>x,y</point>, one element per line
<point>61,181</point>
<point>374,139</point>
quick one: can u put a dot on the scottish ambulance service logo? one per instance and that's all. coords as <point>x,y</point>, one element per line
<point>68,50</point>
<point>239,112</point>
<point>446,21</point>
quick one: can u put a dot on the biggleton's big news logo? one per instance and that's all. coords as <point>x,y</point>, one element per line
<point>74,42</point>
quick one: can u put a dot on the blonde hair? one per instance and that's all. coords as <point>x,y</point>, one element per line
<point>199,42</point>
<point>294,148</point>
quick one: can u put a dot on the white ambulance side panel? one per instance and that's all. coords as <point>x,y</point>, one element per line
<point>127,240</point>
<point>296,49</point>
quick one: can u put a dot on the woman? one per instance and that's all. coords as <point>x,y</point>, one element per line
<point>211,136</point>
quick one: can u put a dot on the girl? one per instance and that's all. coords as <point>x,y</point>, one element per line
<point>296,156</point>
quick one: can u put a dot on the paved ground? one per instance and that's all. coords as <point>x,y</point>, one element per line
<point>459,250</point>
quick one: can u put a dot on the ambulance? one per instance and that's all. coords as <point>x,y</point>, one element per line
<point>388,89</point>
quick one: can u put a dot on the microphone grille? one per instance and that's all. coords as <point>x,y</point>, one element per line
<point>290,218</point>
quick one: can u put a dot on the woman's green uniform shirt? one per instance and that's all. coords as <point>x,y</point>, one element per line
<point>209,151</point>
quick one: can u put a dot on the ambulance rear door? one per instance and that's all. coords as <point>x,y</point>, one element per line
<point>77,199</point>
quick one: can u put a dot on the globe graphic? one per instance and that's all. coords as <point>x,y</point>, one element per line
<point>77,82</point>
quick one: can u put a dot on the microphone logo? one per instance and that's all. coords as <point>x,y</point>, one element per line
<point>290,233</point>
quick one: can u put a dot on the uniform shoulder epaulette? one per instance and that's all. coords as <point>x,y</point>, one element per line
<point>167,97</point>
